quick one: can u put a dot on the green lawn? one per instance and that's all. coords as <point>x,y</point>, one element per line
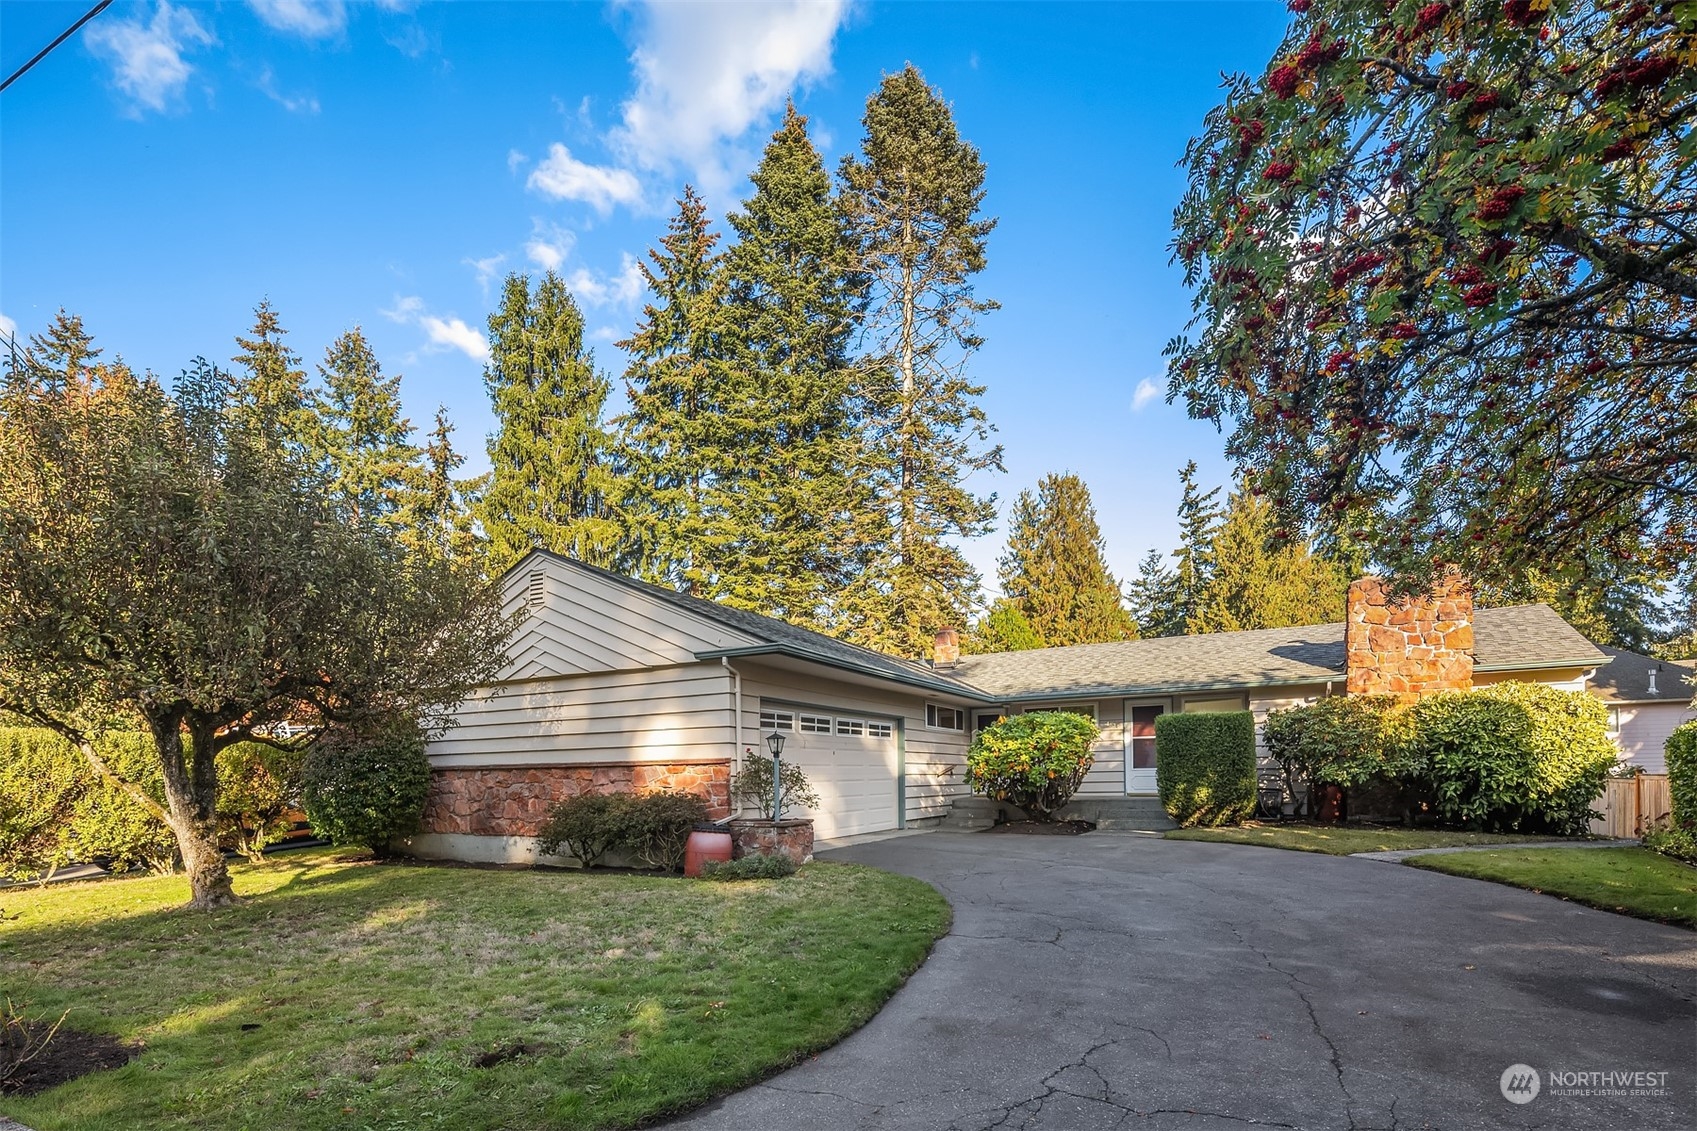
<point>343,994</point>
<point>1632,881</point>
<point>1343,840</point>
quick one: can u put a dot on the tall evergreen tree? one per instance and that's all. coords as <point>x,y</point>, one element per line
<point>798,511</point>
<point>1055,569</point>
<point>57,358</point>
<point>1198,518</point>
<point>676,448</point>
<point>1152,597</point>
<point>550,478</point>
<point>1256,582</point>
<point>361,437</point>
<point>913,197</point>
<point>271,389</point>
<point>440,519</point>
<point>1003,629</point>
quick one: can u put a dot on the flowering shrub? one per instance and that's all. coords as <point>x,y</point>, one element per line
<point>1036,761</point>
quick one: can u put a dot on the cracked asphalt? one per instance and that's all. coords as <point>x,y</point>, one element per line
<point>1115,981</point>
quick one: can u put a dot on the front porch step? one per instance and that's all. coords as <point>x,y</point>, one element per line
<point>1134,814</point>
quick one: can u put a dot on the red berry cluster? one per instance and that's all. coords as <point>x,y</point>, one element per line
<point>1279,171</point>
<point>1430,17</point>
<point>1283,80</point>
<point>1500,203</point>
<point>1249,135</point>
<point>1357,266</point>
<point>1520,13</point>
<point>1315,54</point>
<point>1637,74</point>
<point>1482,295</point>
<point>1457,90</point>
<point>1299,6</point>
<point>1466,276</point>
<point>1625,147</point>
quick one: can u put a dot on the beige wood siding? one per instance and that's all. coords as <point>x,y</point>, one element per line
<point>1262,702</point>
<point>662,715</point>
<point>578,622</point>
<point>935,760</point>
<point>1563,679</point>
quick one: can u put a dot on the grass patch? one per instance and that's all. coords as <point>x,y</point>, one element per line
<point>346,994</point>
<point>1345,840</point>
<point>1631,881</point>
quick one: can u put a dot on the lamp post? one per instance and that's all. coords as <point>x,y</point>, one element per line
<point>775,743</point>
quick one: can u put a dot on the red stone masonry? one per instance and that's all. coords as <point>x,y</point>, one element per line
<point>1408,647</point>
<point>514,800</point>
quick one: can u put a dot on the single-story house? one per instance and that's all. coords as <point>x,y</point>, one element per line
<point>615,684</point>
<point>1646,698</point>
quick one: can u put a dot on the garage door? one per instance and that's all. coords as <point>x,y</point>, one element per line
<point>851,762</point>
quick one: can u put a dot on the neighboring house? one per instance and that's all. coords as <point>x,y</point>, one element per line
<point>614,684</point>
<point>1646,698</point>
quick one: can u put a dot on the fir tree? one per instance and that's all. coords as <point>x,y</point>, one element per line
<point>549,474</point>
<point>440,519</point>
<point>1003,629</point>
<point>1055,570</point>
<point>912,197</point>
<point>271,390</point>
<point>57,358</point>
<point>1198,517</point>
<point>797,510</point>
<point>1256,581</point>
<point>361,438</point>
<point>1152,597</point>
<point>677,452</point>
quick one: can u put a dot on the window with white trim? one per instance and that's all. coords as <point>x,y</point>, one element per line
<point>776,720</point>
<point>938,717</point>
<point>855,727</point>
<point>815,724</point>
<point>1614,722</point>
<point>879,730</point>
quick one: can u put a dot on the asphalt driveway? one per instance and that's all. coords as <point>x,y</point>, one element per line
<point>1120,981</point>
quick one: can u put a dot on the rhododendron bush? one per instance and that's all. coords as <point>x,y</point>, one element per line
<point>1445,265</point>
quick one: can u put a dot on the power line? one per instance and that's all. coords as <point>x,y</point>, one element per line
<point>66,34</point>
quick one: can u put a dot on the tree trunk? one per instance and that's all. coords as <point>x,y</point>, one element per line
<point>191,795</point>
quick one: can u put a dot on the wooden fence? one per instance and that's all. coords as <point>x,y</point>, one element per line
<point>1629,804</point>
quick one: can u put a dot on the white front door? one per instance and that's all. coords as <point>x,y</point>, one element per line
<point>1140,716</point>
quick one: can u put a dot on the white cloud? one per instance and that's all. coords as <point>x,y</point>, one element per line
<point>549,245</point>
<point>603,290</point>
<point>294,104</point>
<point>312,19</point>
<point>1147,390</point>
<point>443,333</point>
<point>485,269</point>
<point>514,160</point>
<point>147,57</point>
<point>563,177</point>
<point>8,327</point>
<point>707,72</point>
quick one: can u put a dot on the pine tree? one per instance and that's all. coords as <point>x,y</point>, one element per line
<point>1003,629</point>
<point>550,478</point>
<point>1198,518</point>
<point>1055,569</point>
<point>677,453</point>
<point>58,358</point>
<point>271,389</point>
<point>912,198</point>
<point>797,508</point>
<point>1152,597</point>
<point>1255,583</point>
<point>439,518</point>
<point>362,440</point>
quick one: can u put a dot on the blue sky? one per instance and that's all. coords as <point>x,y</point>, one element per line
<point>384,164</point>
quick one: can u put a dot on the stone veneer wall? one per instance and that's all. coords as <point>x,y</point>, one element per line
<point>1408,647</point>
<point>514,800</point>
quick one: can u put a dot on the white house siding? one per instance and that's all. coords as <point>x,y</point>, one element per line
<point>1644,730</point>
<point>935,760</point>
<point>580,622</point>
<point>677,714</point>
<point>1264,701</point>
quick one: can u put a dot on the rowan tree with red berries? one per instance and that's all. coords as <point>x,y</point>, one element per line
<point>1445,268</point>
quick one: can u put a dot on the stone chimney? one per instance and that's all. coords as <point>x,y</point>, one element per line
<point>945,650</point>
<point>1409,646</point>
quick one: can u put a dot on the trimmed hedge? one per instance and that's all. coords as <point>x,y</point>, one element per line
<point>1681,749</point>
<point>1036,760</point>
<point>1342,740</point>
<point>653,827</point>
<point>1206,767</point>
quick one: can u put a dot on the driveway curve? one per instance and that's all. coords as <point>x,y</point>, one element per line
<point>1124,981</point>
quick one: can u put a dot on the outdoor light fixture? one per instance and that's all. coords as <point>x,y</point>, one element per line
<point>775,743</point>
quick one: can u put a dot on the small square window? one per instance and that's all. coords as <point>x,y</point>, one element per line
<point>851,726</point>
<point>815,724</point>
<point>879,730</point>
<point>777,720</point>
<point>944,718</point>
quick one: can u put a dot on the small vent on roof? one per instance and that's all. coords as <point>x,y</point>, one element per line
<point>536,592</point>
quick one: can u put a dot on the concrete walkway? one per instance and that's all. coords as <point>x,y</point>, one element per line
<point>1400,854</point>
<point>1119,982</point>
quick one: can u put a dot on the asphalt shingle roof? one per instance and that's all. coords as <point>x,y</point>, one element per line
<point>1626,679</point>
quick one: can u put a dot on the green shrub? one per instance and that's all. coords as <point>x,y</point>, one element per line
<point>1342,740</point>
<point>366,788</point>
<point>1036,760</point>
<point>1681,749</point>
<point>751,788</point>
<point>108,824</point>
<point>259,787</point>
<point>587,826</point>
<point>1518,757</point>
<point>1205,767</point>
<point>656,827</point>
<point>1671,839</point>
<point>757,867</point>
<point>41,782</point>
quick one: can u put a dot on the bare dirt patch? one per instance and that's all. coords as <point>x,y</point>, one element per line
<point>70,1053</point>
